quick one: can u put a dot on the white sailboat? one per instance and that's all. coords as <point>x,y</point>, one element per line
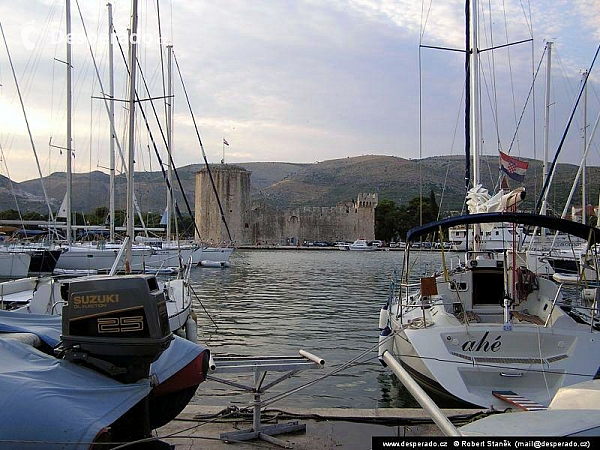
<point>87,257</point>
<point>488,326</point>
<point>43,295</point>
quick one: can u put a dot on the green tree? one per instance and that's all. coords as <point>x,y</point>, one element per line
<point>9,214</point>
<point>386,217</point>
<point>393,222</point>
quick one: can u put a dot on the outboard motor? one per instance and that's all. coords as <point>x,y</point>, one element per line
<point>117,325</point>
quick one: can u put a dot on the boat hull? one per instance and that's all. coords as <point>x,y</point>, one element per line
<point>469,365</point>
<point>218,254</point>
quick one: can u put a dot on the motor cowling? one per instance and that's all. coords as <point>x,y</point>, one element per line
<point>115,324</point>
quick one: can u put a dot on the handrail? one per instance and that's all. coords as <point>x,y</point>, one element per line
<point>421,396</point>
<point>115,265</point>
<point>560,286</point>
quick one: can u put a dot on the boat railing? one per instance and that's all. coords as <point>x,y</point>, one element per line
<point>55,304</point>
<point>560,286</point>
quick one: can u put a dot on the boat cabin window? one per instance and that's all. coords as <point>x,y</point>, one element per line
<point>488,286</point>
<point>458,286</point>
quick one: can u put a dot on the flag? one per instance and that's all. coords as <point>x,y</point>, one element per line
<point>225,142</point>
<point>513,167</point>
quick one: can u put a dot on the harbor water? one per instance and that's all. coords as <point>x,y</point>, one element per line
<point>274,303</point>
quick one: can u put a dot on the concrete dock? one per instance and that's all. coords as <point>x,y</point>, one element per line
<point>326,428</point>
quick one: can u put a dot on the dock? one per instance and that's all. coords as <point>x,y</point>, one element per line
<point>198,427</point>
<point>304,247</point>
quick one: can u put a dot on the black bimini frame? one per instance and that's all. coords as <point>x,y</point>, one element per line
<point>589,233</point>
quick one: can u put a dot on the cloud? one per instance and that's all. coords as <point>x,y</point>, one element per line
<point>294,81</point>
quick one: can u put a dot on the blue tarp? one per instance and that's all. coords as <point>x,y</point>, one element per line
<point>53,403</point>
<point>47,327</point>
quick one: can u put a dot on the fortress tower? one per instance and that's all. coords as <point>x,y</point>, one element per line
<point>233,186</point>
<point>365,213</point>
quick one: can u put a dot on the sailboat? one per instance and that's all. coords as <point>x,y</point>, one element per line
<point>109,368</point>
<point>42,295</point>
<point>88,257</point>
<point>475,332</point>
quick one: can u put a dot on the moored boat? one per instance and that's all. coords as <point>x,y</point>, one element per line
<point>114,375</point>
<point>489,326</point>
<point>362,245</point>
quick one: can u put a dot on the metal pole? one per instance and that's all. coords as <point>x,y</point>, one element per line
<point>583,174</point>
<point>546,124</point>
<point>257,402</point>
<point>474,93</point>
<point>169,138</point>
<point>111,118</point>
<point>421,396</point>
<point>69,125</point>
<point>132,69</point>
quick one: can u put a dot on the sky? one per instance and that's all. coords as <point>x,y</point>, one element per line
<point>297,80</point>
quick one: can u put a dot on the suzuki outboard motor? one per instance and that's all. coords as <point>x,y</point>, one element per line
<point>117,325</point>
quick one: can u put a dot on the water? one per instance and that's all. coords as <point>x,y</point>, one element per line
<point>272,303</point>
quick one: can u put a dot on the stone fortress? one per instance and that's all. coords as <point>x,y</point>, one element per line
<point>260,224</point>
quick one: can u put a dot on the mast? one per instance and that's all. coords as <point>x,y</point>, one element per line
<point>131,147</point>
<point>111,118</point>
<point>474,105</point>
<point>474,91</point>
<point>169,138</point>
<point>583,174</point>
<point>69,124</point>
<point>546,124</point>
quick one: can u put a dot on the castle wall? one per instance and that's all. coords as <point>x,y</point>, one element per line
<point>293,226</point>
<point>261,224</point>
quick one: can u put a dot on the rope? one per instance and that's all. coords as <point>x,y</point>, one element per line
<point>175,434</point>
<point>200,301</point>
<point>104,96</point>
<point>564,136</point>
<point>187,98</point>
<point>156,152</point>
<point>37,161</point>
<point>327,375</point>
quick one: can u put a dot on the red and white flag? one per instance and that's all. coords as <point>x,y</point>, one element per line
<point>513,167</point>
<point>225,142</point>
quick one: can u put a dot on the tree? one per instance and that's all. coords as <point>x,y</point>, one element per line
<point>386,220</point>
<point>393,222</point>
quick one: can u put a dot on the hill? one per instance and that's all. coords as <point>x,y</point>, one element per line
<point>325,183</point>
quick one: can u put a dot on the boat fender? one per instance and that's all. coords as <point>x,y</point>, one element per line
<point>385,344</point>
<point>215,264</point>
<point>211,363</point>
<point>384,316</point>
<point>191,330</point>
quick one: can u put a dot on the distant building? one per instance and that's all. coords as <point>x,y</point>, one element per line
<point>266,225</point>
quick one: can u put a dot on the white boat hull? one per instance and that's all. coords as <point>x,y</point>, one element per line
<point>469,362</point>
<point>218,254</point>
<point>14,265</point>
<point>94,258</point>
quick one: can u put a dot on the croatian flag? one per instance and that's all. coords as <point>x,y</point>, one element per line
<point>513,167</point>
